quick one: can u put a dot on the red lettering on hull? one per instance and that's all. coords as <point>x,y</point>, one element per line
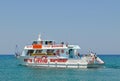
<point>58,60</point>
<point>42,60</point>
<point>27,60</point>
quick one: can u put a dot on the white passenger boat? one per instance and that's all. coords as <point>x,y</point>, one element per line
<point>47,53</point>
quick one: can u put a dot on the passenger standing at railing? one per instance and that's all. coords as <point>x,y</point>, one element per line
<point>78,54</point>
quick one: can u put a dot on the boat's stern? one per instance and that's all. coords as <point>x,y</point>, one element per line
<point>93,60</point>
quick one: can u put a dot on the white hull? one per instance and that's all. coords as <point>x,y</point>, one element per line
<point>70,63</point>
<point>64,65</point>
<point>57,65</point>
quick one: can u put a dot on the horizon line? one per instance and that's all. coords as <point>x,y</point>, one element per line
<point>80,54</point>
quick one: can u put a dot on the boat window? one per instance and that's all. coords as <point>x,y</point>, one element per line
<point>50,51</point>
<point>71,53</point>
<point>46,42</point>
<point>30,52</point>
<point>38,51</point>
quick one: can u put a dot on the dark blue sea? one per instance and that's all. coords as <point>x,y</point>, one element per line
<point>10,70</point>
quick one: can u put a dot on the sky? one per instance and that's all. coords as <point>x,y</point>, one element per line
<point>91,24</point>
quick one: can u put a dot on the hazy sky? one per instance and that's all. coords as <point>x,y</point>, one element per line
<point>92,24</point>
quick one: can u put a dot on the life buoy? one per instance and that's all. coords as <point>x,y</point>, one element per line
<point>44,57</point>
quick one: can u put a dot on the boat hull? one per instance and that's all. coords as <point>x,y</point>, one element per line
<point>57,63</point>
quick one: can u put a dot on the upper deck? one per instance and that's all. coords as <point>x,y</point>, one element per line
<point>49,44</point>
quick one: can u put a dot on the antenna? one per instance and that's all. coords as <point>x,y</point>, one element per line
<point>17,53</point>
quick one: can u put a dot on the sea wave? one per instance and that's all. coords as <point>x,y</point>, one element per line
<point>113,66</point>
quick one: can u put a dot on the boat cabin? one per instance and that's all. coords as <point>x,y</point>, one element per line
<point>51,49</point>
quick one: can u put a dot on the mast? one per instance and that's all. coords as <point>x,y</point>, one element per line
<point>39,37</point>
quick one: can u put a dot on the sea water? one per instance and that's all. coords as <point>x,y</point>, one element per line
<point>10,70</point>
